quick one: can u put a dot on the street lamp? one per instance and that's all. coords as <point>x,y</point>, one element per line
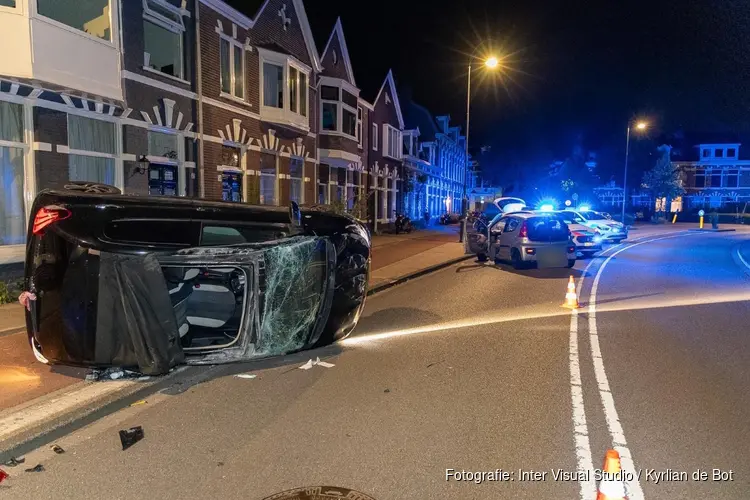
<point>639,126</point>
<point>491,62</point>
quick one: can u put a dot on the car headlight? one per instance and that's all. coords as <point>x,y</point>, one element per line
<point>597,239</point>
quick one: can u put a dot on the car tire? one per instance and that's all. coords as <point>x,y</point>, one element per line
<point>571,263</point>
<point>91,188</point>
<point>515,259</point>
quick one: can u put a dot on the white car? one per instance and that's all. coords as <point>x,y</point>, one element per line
<point>611,231</point>
<point>503,205</point>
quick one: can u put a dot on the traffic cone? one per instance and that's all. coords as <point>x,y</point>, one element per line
<point>611,486</point>
<point>571,299</point>
<point>3,475</point>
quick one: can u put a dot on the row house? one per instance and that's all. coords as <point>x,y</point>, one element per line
<point>713,175</point>
<point>194,98</point>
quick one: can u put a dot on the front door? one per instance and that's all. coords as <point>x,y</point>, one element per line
<point>162,180</point>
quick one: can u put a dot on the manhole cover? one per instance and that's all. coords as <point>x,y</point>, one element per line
<point>320,493</point>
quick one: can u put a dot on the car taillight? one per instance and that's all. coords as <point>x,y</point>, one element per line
<point>571,249</point>
<point>524,231</point>
<point>47,216</point>
<point>577,233</point>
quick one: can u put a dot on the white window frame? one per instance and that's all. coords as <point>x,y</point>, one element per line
<point>288,91</point>
<point>360,126</point>
<point>13,10</point>
<point>284,115</point>
<point>169,25</point>
<point>179,162</point>
<point>375,136</point>
<point>387,143</point>
<point>114,32</point>
<point>232,73</point>
<point>342,86</point>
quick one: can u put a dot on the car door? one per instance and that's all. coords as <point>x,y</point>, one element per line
<point>508,237</point>
<point>477,238</point>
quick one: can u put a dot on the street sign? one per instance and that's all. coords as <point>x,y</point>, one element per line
<point>575,196</point>
<point>701,213</point>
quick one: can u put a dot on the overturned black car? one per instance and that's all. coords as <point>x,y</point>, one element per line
<point>147,283</point>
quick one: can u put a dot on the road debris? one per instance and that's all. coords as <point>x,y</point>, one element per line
<point>37,468</point>
<point>318,362</point>
<point>57,449</point>
<point>387,390</point>
<point>139,402</point>
<point>15,462</point>
<point>131,436</point>
<point>112,374</point>
<point>3,475</point>
<point>245,375</point>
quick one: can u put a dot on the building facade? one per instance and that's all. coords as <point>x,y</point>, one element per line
<point>194,98</point>
<point>715,176</point>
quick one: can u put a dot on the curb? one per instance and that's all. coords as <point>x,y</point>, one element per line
<point>403,279</point>
<point>12,330</point>
<point>712,230</point>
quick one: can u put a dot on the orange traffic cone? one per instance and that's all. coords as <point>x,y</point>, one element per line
<point>611,486</point>
<point>571,299</point>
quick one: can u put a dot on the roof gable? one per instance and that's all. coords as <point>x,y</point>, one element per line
<point>278,11</point>
<point>391,91</point>
<point>337,52</point>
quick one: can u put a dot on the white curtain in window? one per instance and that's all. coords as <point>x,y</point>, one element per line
<point>12,216</point>
<point>92,169</point>
<point>272,85</point>
<point>88,134</point>
<point>267,189</point>
<point>11,122</point>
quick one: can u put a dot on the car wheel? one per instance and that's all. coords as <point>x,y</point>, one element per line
<point>515,258</point>
<point>571,263</point>
<point>91,188</point>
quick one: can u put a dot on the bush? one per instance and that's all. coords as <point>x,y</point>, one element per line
<point>9,291</point>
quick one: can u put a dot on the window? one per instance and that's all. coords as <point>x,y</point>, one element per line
<point>162,145</point>
<point>267,179</point>
<point>235,235</point>
<point>339,110</point>
<point>232,61</point>
<point>732,179</point>
<point>731,153</point>
<point>716,178</point>
<point>324,172</point>
<point>392,142</point>
<point>706,153</point>
<point>89,16</point>
<point>92,150</point>
<point>155,232</point>
<point>273,85</point>
<point>719,153</point>
<point>296,171</point>
<point>8,3</point>
<point>700,178</point>
<point>303,90</point>
<point>359,125</point>
<point>374,136</point>
<point>231,186</point>
<point>293,89</point>
<point>163,31</point>
<point>12,215</point>
<point>230,156</point>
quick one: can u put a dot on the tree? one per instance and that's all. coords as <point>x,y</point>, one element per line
<point>663,181</point>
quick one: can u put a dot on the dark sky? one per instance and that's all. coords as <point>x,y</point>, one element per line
<point>577,69</point>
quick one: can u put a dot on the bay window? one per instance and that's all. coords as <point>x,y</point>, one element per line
<point>297,91</point>
<point>340,112</point>
<point>392,142</point>
<point>90,16</point>
<point>284,89</point>
<point>359,125</point>
<point>92,152</point>
<point>273,85</point>
<point>12,215</point>
<point>163,31</point>
<point>232,70</point>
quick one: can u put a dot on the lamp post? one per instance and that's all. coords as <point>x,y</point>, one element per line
<point>639,126</point>
<point>491,63</point>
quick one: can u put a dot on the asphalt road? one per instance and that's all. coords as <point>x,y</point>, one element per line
<point>470,368</point>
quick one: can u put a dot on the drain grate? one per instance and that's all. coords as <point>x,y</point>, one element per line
<point>320,493</point>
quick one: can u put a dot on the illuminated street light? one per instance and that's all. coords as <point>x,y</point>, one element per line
<point>491,62</point>
<point>639,126</point>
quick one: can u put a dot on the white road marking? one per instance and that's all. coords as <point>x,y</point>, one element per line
<point>742,259</point>
<point>608,403</point>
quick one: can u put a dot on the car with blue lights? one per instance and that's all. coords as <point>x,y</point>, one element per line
<point>588,241</point>
<point>611,230</point>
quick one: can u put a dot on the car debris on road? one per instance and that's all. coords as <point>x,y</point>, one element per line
<point>131,436</point>
<point>310,363</point>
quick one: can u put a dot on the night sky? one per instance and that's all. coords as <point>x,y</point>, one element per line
<point>577,71</point>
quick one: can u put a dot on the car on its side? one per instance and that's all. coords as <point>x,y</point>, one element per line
<point>150,282</point>
<point>525,239</point>
<point>611,230</point>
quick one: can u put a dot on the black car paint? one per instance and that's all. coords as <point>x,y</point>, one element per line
<point>86,230</point>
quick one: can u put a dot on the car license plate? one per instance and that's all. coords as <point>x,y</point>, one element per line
<point>588,244</point>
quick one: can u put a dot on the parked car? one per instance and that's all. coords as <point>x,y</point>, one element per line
<point>611,231</point>
<point>147,282</point>
<point>588,241</point>
<point>524,239</point>
<point>503,205</point>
